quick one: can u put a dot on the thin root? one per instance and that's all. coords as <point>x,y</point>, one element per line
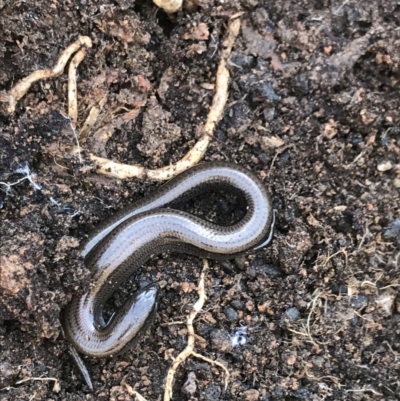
<point>119,170</point>
<point>131,391</point>
<point>20,89</point>
<point>189,350</point>
<point>72,91</point>
<point>109,167</point>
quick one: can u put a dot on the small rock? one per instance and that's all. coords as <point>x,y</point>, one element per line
<point>394,229</point>
<point>190,387</point>
<point>271,142</point>
<point>239,337</point>
<point>396,183</point>
<point>301,393</point>
<point>385,166</point>
<point>212,393</point>
<point>293,314</point>
<point>386,303</point>
<point>231,314</point>
<point>269,113</point>
<point>289,357</point>
<point>7,370</point>
<point>243,61</point>
<point>251,395</point>
<point>250,3</point>
<point>237,304</point>
<point>221,340</point>
<point>359,301</point>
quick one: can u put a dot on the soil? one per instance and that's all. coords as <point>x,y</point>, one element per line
<point>313,109</point>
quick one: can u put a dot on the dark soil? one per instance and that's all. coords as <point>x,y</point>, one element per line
<point>313,109</point>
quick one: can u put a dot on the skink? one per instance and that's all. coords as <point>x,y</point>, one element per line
<point>152,226</point>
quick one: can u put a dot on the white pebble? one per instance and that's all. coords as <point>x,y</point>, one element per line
<point>385,166</point>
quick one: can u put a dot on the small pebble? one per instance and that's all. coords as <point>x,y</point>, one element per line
<point>231,314</point>
<point>386,302</point>
<point>301,393</point>
<point>212,392</point>
<point>239,337</point>
<point>190,387</point>
<point>237,304</point>
<point>394,229</point>
<point>251,395</point>
<point>293,314</point>
<point>359,301</point>
<point>385,166</point>
<point>221,340</point>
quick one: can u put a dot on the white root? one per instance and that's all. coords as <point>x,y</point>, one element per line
<point>121,171</point>
<point>189,350</point>
<point>20,89</point>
